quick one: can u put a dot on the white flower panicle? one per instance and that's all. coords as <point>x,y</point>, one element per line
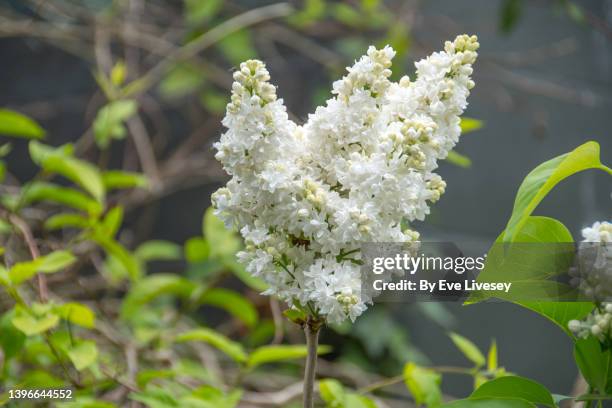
<point>593,276</point>
<point>304,197</point>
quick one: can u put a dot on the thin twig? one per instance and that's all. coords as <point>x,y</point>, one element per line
<point>22,226</point>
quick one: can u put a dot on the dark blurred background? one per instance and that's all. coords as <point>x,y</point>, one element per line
<point>543,86</point>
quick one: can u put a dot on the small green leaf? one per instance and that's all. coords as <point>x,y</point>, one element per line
<point>468,349</point>
<point>32,322</point>
<point>424,385</point>
<point>15,124</point>
<point>43,191</point>
<point>492,357</point>
<point>112,221</point>
<point>51,263</point>
<point>470,125</point>
<point>156,250</point>
<point>83,355</point>
<point>118,73</point>
<point>458,159</point>
<point>181,80</point>
<point>60,161</point>
<point>233,303</point>
<point>541,180</point>
<point>272,354</point>
<point>238,47</point>
<point>510,13</point>
<point>109,122</point>
<point>77,313</point>
<point>117,179</point>
<point>119,252</point>
<point>217,340</point>
<point>66,220</point>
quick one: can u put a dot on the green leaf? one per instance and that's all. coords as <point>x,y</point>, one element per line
<point>181,80</point>
<point>424,385</point>
<point>197,249</point>
<point>544,178</point>
<point>77,313</point>
<point>515,387</point>
<point>152,287</point>
<point>83,355</point>
<point>470,125</point>
<point>60,161</point>
<point>155,250</point>
<point>53,262</point>
<point>43,191</point>
<point>226,242</point>
<point>468,349</point>
<point>332,393</point>
<point>35,320</point>
<point>276,353</point>
<point>217,340</point>
<point>197,11</point>
<point>15,124</point>
<point>238,47</point>
<point>119,252</point>
<point>233,303</point>
<point>510,13</point>
<point>593,363</point>
<point>112,221</point>
<point>118,73</point>
<point>59,221</point>
<point>560,313</point>
<point>346,14</point>
<point>490,403</point>
<point>313,10</point>
<point>109,121</point>
<point>117,179</point>
<point>213,101</point>
<point>458,159</point>
<point>492,357</point>
<point>11,340</point>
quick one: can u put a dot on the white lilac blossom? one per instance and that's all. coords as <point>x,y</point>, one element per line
<point>593,277</point>
<point>304,197</point>
<point>592,274</point>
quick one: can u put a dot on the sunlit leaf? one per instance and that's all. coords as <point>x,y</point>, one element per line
<point>458,159</point>
<point>468,349</point>
<point>217,340</point>
<point>15,124</point>
<point>276,353</point>
<point>424,385</point>
<point>53,262</point>
<point>117,179</point>
<point>60,161</point>
<point>83,354</point>
<point>43,191</point>
<point>77,313</point>
<point>32,322</point>
<point>470,125</point>
<point>66,220</point>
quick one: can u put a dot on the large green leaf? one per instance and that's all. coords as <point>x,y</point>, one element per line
<point>15,124</point>
<point>490,403</point>
<point>522,263</point>
<point>515,387</point>
<point>424,385</point>
<point>543,178</point>
<point>217,340</point>
<point>60,161</point>
<point>276,353</point>
<point>232,302</point>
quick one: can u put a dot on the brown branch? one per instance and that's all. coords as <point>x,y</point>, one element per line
<point>23,227</point>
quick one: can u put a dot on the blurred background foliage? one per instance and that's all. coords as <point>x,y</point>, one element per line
<point>139,88</point>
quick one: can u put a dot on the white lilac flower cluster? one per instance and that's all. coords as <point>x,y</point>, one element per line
<point>592,274</point>
<point>304,197</point>
<point>593,277</point>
